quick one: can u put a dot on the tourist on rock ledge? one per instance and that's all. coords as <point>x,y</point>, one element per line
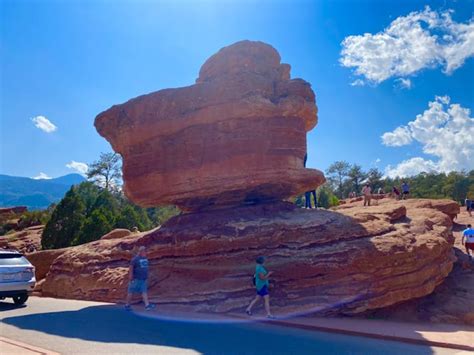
<point>261,284</point>
<point>395,193</point>
<point>307,199</point>
<point>367,192</point>
<point>138,276</point>
<point>405,190</point>
<point>468,234</point>
<point>469,205</point>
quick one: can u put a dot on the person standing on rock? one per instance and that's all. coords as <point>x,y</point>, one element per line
<point>307,199</point>
<point>395,193</point>
<point>468,234</point>
<point>138,276</point>
<point>261,284</point>
<point>469,205</point>
<point>367,192</point>
<point>405,190</point>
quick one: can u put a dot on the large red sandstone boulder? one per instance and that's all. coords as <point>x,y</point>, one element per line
<point>236,136</point>
<point>451,302</point>
<point>346,261</point>
<point>42,261</point>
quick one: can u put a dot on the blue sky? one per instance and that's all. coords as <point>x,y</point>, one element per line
<point>69,60</point>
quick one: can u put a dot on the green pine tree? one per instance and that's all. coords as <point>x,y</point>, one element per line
<point>66,222</point>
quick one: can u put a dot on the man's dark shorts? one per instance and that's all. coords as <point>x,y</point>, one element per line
<point>137,286</point>
<point>263,291</point>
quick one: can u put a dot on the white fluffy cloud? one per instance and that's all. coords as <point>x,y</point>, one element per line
<point>400,136</point>
<point>422,39</point>
<point>404,83</point>
<point>44,124</point>
<point>42,176</point>
<point>79,167</point>
<point>411,167</point>
<point>445,131</point>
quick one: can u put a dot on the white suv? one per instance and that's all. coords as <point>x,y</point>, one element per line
<point>17,276</point>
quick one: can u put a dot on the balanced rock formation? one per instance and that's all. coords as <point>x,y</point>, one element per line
<point>237,140</point>
<point>236,136</point>
<point>346,261</point>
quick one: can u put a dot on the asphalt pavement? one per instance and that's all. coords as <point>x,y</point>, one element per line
<point>81,327</point>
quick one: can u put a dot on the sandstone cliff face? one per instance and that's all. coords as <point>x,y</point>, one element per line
<point>346,261</point>
<point>236,136</point>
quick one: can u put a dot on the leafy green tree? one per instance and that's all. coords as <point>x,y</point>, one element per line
<point>456,186</point>
<point>337,174</point>
<point>374,178</point>
<point>159,215</point>
<point>66,222</point>
<point>107,171</point>
<point>326,197</point>
<point>89,193</point>
<point>99,223</point>
<point>356,175</point>
<point>105,199</point>
<point>131,217</point>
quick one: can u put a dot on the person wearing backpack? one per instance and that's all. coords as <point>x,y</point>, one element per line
<point>261,285</point>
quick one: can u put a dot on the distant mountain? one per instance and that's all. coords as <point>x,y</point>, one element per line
<point>35,194</point>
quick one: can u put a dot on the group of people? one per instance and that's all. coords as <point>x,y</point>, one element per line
<point>402,193</point>
<point>367,192</point>
<point>138,282</point>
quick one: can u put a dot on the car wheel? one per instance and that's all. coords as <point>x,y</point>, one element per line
<point>20,299</point>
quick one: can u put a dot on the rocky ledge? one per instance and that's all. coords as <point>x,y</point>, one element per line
<point>346,261</point>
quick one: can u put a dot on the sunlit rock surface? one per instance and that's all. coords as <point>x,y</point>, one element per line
<point>346,261</point>
<point>236,136</point>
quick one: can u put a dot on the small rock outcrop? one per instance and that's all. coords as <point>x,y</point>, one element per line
<point>236,136</point>
<point>26,241</point>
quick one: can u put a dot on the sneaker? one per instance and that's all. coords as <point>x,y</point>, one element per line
<point>127,307</point>
<point>150,307</point>
<point>270,316</point>
<point>248,312</point>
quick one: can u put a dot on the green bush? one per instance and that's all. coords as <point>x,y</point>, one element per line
<point>87,212</point>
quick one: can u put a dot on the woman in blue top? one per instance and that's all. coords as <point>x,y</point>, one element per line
<point>261,284</point>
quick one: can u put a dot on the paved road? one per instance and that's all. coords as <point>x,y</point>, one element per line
<point>80,327</point>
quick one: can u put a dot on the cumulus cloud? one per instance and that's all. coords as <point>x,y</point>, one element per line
<point>42,176</point>
<point>444,130</point>
<point>403,83</point>
<point>410,167</point>
<point>44,124</point>
<point>358,82</point>
<point>400,136</point>
<point>422,39</point>
<point>79,167</point>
